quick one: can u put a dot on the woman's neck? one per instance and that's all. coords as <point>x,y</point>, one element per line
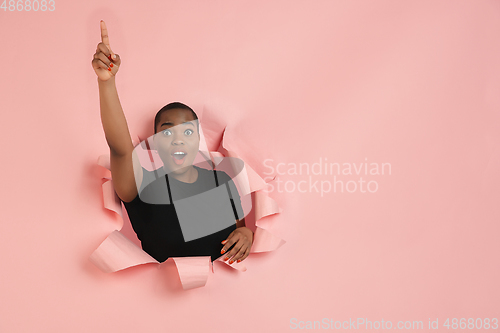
<point>190,176</point>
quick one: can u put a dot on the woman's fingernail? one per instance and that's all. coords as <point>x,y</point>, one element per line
<point>230,262</point>
<point>238,260</point>
<point>109,68</point>
<point>114,56</point>
<point>222,251</point>
<point>111,65</point>
<point>226,258</point>
<point>109,57</point>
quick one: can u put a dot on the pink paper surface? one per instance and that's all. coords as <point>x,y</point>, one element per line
<point>284,84</point>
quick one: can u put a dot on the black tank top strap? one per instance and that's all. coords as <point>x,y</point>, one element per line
<point>229,193</point>
<point>168,187</point>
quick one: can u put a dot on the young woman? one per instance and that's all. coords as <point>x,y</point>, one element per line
<point>177,140</point>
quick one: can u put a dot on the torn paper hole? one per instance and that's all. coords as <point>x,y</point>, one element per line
<point>117,252</point>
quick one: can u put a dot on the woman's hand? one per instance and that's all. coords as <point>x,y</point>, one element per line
<point>105,62</point>
<point>242,238</point>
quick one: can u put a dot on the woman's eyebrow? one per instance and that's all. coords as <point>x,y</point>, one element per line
<point>171,124</point>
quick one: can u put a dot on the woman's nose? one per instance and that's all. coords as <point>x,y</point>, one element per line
<point>177,140</point>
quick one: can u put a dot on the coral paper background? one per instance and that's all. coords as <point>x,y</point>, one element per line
<point>411,83</point>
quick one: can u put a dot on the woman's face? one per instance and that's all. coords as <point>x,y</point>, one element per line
<point>177,140</point>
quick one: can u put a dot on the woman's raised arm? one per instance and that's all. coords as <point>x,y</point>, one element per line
<point>106,64</point>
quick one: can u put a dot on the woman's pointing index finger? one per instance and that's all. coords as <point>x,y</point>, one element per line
<point>104,36</point>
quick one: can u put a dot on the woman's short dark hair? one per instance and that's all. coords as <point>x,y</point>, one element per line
<point>173,105</point>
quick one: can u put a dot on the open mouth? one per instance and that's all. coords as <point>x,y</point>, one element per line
<point>179,157</point>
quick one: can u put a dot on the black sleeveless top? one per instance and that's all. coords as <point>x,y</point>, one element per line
<point>157,225</point>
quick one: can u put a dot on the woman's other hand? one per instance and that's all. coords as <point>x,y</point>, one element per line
<point>242,238</point>
<point>105,62</point>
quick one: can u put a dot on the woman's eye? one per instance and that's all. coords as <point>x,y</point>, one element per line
<point>166,132</point>
<point>188,132</point>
